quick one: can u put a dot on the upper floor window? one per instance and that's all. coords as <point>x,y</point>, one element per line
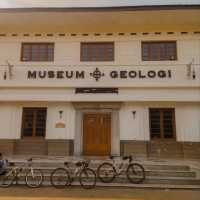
<point>158,51</point>
<point>37,52</point>
<point>97,51</point>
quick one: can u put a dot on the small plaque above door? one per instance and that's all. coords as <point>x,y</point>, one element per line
<point>60,125</point>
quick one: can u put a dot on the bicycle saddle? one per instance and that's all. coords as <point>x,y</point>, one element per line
<point>112,157</point>
<point>66,163</point>
<point>125,157</point>
<point>79,164</point>
<point>30,160</point>
<point>86,163</point>
<point>11,164</point>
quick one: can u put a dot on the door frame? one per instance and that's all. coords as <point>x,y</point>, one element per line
<point>83,108</point>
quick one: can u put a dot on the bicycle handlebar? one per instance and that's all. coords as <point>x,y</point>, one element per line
<point>130,158</point>
<point>12,164</point>
<point>112,157</point>
<point>30,159</point>
<point>82,163</point>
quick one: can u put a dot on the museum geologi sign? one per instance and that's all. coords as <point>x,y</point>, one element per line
<point>97,74</point>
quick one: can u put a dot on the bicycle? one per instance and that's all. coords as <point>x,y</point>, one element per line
<point>62,177</point>
<point>33,177</point>
<point>107,171</point>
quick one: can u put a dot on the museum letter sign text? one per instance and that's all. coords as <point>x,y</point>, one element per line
<point>97,74</point>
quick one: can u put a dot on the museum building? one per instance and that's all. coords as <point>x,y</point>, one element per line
<point>99,81</point>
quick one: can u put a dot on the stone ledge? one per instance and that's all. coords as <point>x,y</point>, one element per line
<point>60,147</point>
<point>165,149</point>
<point>7,146</point>
<point>191,150</point>
<point>133,147</point>
<point>161,149</point>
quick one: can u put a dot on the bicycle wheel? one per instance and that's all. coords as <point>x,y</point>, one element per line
<point>87,178</point>
<point>60,178</point>
<point>34,178</point>
<point>7,179</point>
<point>135,173</point>
<point>106,172</point>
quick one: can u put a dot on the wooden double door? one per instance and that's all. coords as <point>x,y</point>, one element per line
<point>97,134</point>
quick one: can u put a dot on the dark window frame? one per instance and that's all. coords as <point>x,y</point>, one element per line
<point>35,110</point>
<point>158,56</point>
<point>162,134</point>
<point>30,54</point>
<point>98,60</point>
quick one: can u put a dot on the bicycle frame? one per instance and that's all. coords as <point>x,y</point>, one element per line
<point>75,172</point>
<point>15,171</point>
<point>120,168</point>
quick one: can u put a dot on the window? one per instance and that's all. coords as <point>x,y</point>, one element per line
<point>98,51</point>
<point>37,52</point>
<point>34,122</point>
<point>158,51</point>
<point>162,123</point>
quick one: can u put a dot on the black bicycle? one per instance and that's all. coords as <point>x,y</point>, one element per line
<point>62,177</point>
<point>107,171</point>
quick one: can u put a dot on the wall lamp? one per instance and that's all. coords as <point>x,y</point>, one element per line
<point>60,113</point>
<point>134,114</point>
<point>193,74</point>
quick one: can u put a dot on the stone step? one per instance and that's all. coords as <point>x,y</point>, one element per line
<point>95,165</point>
<point>128,185</point>
<point>162,173</point>
<point>168,167</point>
<point>47,172</point>
<point>170,180</point>
<point>148,180</point>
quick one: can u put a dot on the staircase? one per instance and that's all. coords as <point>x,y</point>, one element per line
<point>158,175</point>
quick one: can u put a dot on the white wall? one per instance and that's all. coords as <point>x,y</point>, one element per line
<point>53,117</point>
<point>134,127</point>
<point>131,127</point>
<point>187,121</point>
<point>127,48</point>
<point>10,118</point>
<point>127,57</point>
<point>127,52</point>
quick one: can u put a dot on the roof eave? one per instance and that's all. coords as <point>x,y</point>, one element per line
<point>99,9</point>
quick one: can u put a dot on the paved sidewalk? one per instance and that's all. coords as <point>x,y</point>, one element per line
<point>77,193</point>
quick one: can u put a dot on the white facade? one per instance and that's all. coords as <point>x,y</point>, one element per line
<point>178,87</point>
<point>180,91</point>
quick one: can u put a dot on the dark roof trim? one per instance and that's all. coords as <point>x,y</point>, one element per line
<point>102,9</point>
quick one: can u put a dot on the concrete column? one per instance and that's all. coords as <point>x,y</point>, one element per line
<point>78,139</point>
<point>115,134</point>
